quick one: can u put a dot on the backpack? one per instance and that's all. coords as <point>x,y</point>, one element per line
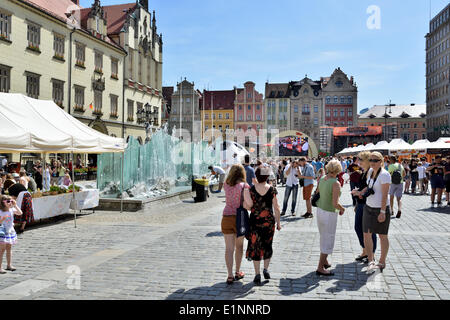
<point>397,175</point>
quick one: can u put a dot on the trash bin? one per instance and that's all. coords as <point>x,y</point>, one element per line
<point>201,189</point>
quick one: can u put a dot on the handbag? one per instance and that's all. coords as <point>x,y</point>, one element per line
<point>316,196</point>
<point>242,219</point>
<point>301,182</point>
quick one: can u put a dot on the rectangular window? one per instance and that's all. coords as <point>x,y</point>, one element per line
<point>220,116</point>
<point>140,108</point>
<point>241,118</point>
<point>316,121</point>
<point>34,35</point>
<point>316,109</point>
<point>258,117</point>
<point>227,116</point>
<point>98,101</point>
<point>58,46</point>
<point>342,113</point>
<point>114,109</point>
<point>33,85</point>
<point>114,68</point>
<point>249,117</point>
<point>206,116</point>
<point>5,26</point>
<point>5,78</point>
<point>130,110</point>
<point>296,109</point>
<point>335,113</point>
<point>98,62</point>
<point>80,54</point>
<point>350,113</point>
<point>79,97</point>
<point>58,92</point>
<point>328,113</point>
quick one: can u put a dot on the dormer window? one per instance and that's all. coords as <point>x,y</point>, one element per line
<point>405,115</point>
<point>371,116</point>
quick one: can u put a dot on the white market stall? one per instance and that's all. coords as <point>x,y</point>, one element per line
<point>37,126</point>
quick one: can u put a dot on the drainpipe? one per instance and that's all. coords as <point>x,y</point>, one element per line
<point>70,69</point>
<point>123,96</point>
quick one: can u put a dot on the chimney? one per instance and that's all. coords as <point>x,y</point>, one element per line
<point>413,104</point>
<point>77,2</point>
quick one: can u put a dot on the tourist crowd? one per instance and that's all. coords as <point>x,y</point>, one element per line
<point>377,184</point>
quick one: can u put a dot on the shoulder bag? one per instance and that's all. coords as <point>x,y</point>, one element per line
<point>316,196</point>
<point>242,219</point>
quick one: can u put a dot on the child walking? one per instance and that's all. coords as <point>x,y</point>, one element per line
<point>8,236</point>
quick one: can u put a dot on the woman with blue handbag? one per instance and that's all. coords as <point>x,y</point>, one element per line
<point>234,187</point>
<point>262,200</point>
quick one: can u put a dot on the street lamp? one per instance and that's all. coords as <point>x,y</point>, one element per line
<point>146,116</point>
<point>390,105</point>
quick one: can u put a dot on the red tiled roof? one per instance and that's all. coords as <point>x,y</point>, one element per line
<point>116,16</point>
<point>58,9</point>
<point>221,100</point>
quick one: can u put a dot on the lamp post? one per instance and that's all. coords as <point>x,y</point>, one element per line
<point>146,116</point>
<point>390,105</point>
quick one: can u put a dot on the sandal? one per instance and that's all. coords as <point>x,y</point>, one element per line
<point>2,271</point>
<point>239,275</point>
<point>371,267</point>
<point>361,258</point>
<point>11,269</point>
<point>230,280</point>
<point>381,266</point>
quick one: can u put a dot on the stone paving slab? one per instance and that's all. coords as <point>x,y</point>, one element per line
<point>177,252</point>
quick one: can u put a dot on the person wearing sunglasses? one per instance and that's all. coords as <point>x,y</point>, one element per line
<point>8,236</point>
<point>376,216</point>
<point>358,193</point>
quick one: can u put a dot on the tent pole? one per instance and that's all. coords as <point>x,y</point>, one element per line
<point>73,188</point>
<point>121,182</point>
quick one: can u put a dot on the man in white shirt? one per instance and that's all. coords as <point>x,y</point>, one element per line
<point>292,172</point>
<point>218,171</point>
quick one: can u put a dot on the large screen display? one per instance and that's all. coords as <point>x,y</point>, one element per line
<point>293,147</point>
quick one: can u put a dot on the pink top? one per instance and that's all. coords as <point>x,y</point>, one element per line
<point>233,198</point>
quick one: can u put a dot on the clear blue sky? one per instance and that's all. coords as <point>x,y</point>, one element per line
<point>224,43</point>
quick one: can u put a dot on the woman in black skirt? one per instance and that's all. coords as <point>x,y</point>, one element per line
<point>262,223</point>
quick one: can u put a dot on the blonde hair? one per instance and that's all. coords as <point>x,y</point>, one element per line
<point>364,156</point>
<point>378,155</point>
<point>334,167</point>
<point>237,172</point>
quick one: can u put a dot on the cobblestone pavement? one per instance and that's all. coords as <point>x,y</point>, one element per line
<point>177,252</point>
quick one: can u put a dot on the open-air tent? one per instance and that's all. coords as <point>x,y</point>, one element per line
<point>399,144</point>
<point>38,126</point>
<point>380,146</point>
<point>30,125</point>
<point>421,144</point>
<point>441,143</point>
<point>367,147</point>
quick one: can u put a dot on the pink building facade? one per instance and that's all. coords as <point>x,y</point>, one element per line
<point>249,109</point>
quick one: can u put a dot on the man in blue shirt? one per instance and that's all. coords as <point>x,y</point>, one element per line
<point>249,171</point>
<point>308,176</point>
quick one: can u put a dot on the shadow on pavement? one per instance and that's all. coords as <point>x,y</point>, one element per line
<point>444,210</point>
<point>303,284</point>
<point>214,234</point>
<point>235,291</point>
<point>351,283</point>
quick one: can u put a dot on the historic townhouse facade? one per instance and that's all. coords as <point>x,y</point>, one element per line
<point>306,107</point>
<point>59,51</point>
<point>249,109</point>
<point>217,111</point>
<point>407,122</point>
<point>340,95</point>
<point>185,109</point>
<point>437,75</point>
<point>277,102</point>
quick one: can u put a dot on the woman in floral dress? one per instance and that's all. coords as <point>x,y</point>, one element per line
<point>262,223</point>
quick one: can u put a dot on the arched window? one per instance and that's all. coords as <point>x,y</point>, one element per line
<point>350,100</point>
<point>342,99</point>
<point>335,99</point>
<point>328,99</point>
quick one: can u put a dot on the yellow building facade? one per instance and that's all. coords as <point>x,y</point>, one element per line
<point>68,54</point>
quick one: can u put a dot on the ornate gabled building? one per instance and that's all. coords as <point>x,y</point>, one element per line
<point>340,95</point>
<point>249,108</point>
<point>101,64</point>
<point>277,102</point>
<point>306,107</point>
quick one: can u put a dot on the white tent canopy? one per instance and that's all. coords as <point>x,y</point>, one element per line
<point>441,143</point>
<point>399,144</point>
<point>382,145</point>
<point>30,125</point>
<point>367,147</point>
<point>421,144</point>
